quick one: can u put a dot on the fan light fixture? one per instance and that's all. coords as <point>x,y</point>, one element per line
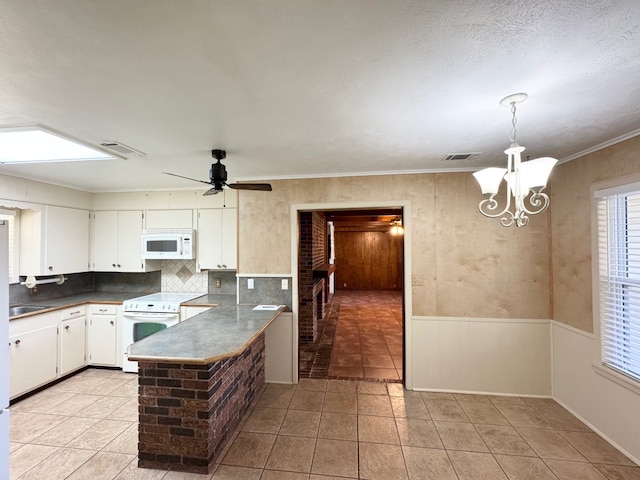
<point>525,180</point>
<point>396,227</point>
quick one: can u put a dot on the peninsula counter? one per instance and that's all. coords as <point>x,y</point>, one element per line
<point>197,380</point>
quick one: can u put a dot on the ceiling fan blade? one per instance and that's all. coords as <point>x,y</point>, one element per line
<point>263,187</point>
<point>188,178</point>
<point>212,191</point>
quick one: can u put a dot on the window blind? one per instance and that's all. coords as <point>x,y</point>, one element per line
<point>618,217</point>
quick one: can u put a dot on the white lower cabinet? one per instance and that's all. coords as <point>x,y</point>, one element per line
<point>103,335</point>
<point>33,358</point>
<point>33,352</point>
<point>73,340</point>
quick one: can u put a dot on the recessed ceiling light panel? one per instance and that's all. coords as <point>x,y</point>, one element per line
<point>36,145</point>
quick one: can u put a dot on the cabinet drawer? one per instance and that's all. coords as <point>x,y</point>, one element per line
<point>103,309</point>
<point>75,312</point>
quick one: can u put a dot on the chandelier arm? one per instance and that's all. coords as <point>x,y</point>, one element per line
<point>540,201</point>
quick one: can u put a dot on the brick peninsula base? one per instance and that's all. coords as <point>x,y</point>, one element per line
<point>189,412</point>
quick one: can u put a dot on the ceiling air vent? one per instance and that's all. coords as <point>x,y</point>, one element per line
<point>122,149</point>
<point>461,156</point>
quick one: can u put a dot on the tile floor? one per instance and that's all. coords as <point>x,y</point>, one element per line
<point>368,338</point>
<point>85,428</point>
<point>359,338</point>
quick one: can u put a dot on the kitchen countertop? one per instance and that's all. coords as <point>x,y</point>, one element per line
<point>219,333</point>
<point>117,298</point>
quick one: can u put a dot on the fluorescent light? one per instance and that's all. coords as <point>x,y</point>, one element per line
<point>36,144</point>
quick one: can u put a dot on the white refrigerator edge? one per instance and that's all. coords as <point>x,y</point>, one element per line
<point>4,350</point>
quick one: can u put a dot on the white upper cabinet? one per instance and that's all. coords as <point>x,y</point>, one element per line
<point>116,241</point>
<point>217,238</point>
<point>168,219</point>
<point>53,241</point>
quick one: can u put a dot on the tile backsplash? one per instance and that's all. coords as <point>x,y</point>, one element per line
<point>180,276</point>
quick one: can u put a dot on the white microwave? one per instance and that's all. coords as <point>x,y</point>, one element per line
<point>168,244</point>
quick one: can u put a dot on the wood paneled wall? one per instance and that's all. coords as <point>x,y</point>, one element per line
<point>368,260</point>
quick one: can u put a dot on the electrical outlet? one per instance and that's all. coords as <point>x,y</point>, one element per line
<point>416,280</point>
<point>250,283</point>
<point>285,284</point>
<point>218,283</point>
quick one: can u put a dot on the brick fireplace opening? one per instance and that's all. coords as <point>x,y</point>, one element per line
<point>312,284</point>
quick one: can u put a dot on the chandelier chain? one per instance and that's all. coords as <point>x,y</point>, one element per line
<point>514,133</point>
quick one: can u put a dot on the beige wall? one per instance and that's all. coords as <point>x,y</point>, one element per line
<point>571,227</point>
<point>471,265</point>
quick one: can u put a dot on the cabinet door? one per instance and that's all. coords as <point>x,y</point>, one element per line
<point>33,359</point>
<point>73,343</point>
<point>102,340</point>
<point>67,241</point>
<point>105,241</point>
<point>209,241</point>
<point>130,241</point>
<point>169,219</point>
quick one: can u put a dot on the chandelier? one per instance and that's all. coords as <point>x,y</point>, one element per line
<point>525,180</point>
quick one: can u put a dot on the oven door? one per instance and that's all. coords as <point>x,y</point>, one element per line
<point>138,325</point>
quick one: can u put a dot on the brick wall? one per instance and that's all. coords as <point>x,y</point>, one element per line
<point>312,254</point>
<point>187,413</point>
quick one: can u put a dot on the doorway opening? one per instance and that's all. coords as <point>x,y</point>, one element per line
<point>351,294</point>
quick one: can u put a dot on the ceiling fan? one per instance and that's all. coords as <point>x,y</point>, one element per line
<point>218,177</point>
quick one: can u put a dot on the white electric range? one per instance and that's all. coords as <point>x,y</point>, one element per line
<point>144,316</point>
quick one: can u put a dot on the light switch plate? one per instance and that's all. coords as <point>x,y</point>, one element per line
<point>285,284</point>
<point>250,283</point>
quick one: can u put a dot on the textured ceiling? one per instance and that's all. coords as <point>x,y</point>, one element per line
<point>307,88</point>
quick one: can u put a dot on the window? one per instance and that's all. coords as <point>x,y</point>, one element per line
<point>618,243</point>
<point>12,217</point>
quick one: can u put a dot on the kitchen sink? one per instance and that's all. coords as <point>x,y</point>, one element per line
<point>20,309</point>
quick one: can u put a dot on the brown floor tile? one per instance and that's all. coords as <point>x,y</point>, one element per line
<point>374,405</point>
<point>380,361</point>
<point>300,423</point>
<point>446,410</point>
<point>264,420</point>
<point>504,439</point>
<point>409,407</point>
<point>377,430</point>
<point>521,415</point>
<point>228,472</point>
<point>102,466</point>
<point>249,450</point>
<point>372,388</point>
<point>425,463</point>
<point>524,468</point>
<point>460,436</point>
<point>307,401</point>
<point>566,470</point>
<point>335,458</point>
<point>381,373</point>
<point>418,433</point>
<point>340,403</point>
<point>346,372</point>
<point>293,454</point>
<point>481,412</point>
<point>474,466</point>
<point>550,444</point>
<point>338,426</point>
<point>341,386</point>
<point>618,472</point>
<point>381,462</point>
<point>595,448</point>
